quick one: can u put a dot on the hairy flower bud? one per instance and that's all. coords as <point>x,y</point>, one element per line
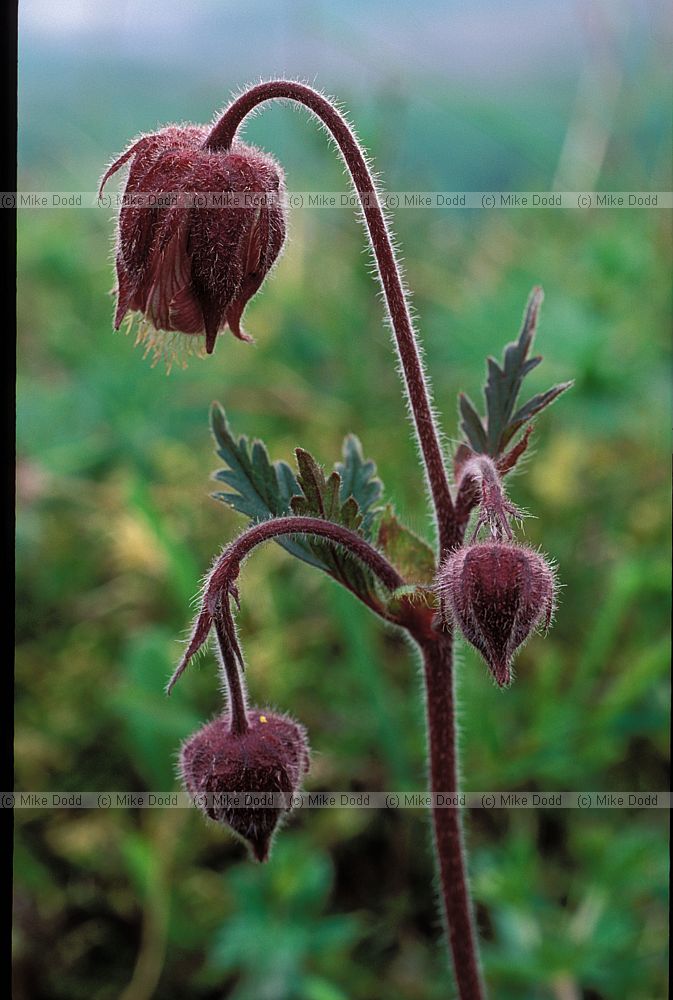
<point>271,757</point>
<point>190,268</point>
<point>497,593</point>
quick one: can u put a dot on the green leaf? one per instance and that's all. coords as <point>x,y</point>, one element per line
<point>359,481</point>
<point>502,390</point>
<point>471,424</point>
<point>408,553</point>
<point>321,497</point>
<point>535,404</point>
<point>258,488</point>
<point>504,383</point>
<point>262,489</point>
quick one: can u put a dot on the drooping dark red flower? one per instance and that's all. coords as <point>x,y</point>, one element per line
<point>497,593</point>
<point>271,757</point>
<point>198,231</point>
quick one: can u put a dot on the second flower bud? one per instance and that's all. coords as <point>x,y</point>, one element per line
<point>497,593</point>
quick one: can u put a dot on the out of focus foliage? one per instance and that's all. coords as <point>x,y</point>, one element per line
<point>115,529</point>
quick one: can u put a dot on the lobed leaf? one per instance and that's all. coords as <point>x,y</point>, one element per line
<point>258,487</point>
<point>349,495</point>
<point>261,489</point>
<point>321,497</point>
<point>503,385</point>
<point>533,406</point>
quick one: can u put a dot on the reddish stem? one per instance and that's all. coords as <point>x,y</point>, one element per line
<point>218,588</point>
<point>438,666</point>
<point>232,676</point>
<point>415,379</point>
<point>227,567</point>
<point>437,649</point>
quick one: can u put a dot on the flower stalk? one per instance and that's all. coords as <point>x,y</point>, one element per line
<point>221,583</point>
<point>436,652</point>
<point>232,677</point>
<point>447,823</point>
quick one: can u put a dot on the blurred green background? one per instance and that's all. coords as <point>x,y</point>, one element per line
<point>115,525</point>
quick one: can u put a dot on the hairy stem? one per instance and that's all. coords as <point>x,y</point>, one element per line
<point>220,585</point>
<point>438,666</point>
<point>415,379</point>
<point>482,473</point>
<point>437,648</point>
<point>235,553</point>
<point>232,675</point>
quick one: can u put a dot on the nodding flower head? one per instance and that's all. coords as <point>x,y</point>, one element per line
<point>198,231</point>
<point>272,756</point>
<point>496,593</point>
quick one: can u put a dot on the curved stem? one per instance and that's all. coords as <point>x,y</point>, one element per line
<point>220,584</point>
<point>415,379</point>
<point>234,554</point>
<point>438,667</point>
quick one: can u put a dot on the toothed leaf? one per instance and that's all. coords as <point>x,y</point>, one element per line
<point>262,489</point>
<point>359,481</point>
<point>502,390</point>
<point>504,383</point>
<point>321,497</point>
<point>258,488</point>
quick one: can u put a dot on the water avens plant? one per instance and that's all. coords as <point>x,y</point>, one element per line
<point>189,258</point>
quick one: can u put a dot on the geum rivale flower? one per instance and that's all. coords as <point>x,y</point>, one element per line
<point>198,231</point>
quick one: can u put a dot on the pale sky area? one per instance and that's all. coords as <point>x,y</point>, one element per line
<point>455,38</point>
